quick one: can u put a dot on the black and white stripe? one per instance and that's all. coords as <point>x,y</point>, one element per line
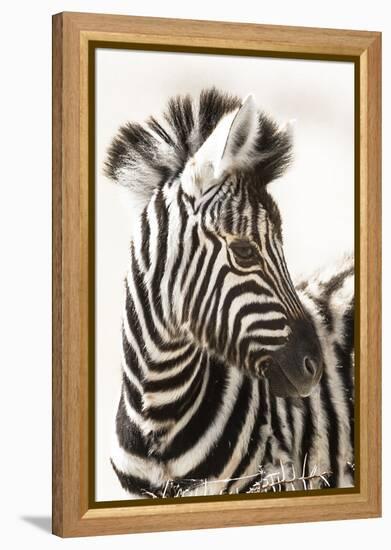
<point>213,328</point>
<point>318,431</point>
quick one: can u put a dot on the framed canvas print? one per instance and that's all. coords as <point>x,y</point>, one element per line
<point>216,274</point>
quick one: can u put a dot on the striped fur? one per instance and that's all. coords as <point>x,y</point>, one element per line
<point>214,330</point>
<point>317,432</point>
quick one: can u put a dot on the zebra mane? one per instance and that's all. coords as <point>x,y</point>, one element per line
<point>142,157</point>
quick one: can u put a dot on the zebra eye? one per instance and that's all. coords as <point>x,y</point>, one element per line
<point>244,251</point>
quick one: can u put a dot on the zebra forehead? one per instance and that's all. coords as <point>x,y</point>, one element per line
<point>246,212</point>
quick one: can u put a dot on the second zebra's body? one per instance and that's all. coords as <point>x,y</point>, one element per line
<point>313,437</point>
<point>222,356</point>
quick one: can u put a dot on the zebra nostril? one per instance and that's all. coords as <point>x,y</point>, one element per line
<point>310,366</point>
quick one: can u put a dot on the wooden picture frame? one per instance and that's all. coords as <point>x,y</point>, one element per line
<point>75,35</point>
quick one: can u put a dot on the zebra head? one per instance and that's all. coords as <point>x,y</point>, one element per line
<point>209,244</point>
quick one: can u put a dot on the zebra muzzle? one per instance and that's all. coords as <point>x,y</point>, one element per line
<point>296,369</point>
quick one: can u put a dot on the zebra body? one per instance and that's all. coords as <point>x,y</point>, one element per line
<point>218,346</point>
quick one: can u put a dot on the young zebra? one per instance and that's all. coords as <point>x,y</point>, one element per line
<point>213,329</point>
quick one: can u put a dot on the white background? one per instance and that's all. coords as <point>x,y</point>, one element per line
<point>25,300</point>
<point>315,196</point>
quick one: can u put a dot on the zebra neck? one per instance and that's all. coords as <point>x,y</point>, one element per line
<point>160,395</point>
<point>162,374</point>
<point>170,386</point>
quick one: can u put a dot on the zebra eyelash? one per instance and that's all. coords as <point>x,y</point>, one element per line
<point>244,259</point>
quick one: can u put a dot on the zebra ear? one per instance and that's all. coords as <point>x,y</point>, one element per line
<point>231,146</point>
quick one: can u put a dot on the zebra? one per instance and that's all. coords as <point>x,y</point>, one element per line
<point>215,337</point>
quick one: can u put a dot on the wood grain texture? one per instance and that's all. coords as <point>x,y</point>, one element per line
<point>222,34</point>
<point>67,364</point>
<point>57,462</point>
<point>372,258</point>
<point>73,515</point>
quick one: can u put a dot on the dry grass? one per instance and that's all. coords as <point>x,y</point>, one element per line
<point>283,478</point>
